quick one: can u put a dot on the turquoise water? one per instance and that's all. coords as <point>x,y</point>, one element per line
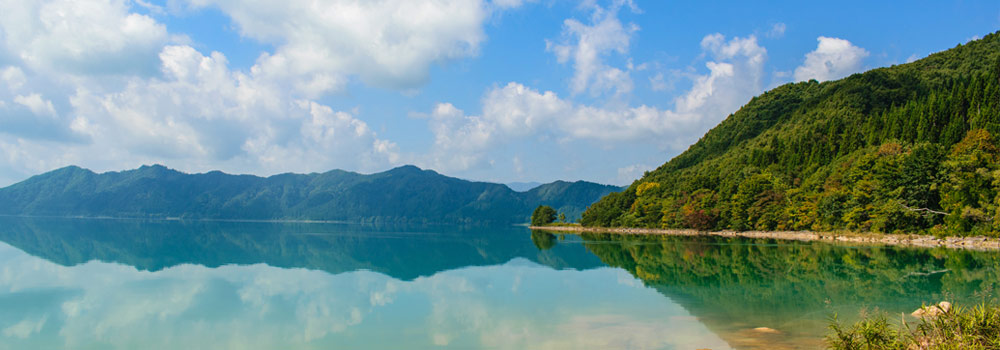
<point>126,284</point>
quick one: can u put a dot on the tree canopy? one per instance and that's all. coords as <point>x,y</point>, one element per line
<point>543,215</point>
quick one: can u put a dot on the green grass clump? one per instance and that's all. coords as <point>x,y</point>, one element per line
<point>961,328</point>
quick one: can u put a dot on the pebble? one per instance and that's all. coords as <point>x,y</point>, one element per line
<point>766,330</point>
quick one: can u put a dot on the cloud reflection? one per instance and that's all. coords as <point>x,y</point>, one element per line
<point>516,305</point>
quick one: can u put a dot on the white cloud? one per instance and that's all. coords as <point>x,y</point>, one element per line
<point>53,47</point>
<point>152,8</point>
<point>24,329</point>
<point>632,172</point>
<point>459,140</point>
<point>13,78</point>
<point>172,104</point>
<point>516,112</point>
<point>207,115</point>
<point>833,58</point>
<point>321,45</point>
<point>37,105</point>
<point>730,81</point>
<point>658,82</point>
<point>166,102</point>
<point>587,46</point>
<point>777,30</point>
<point>80,37</point>
<point>508,4</point>
<point>20,158</point>
<point>30,114</point>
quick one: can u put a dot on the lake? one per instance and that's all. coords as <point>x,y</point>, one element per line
<point>136,284</point>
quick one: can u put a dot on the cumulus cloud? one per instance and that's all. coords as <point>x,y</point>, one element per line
<point>833,58</point>
<point>587,46</point>
<point>80,37</point>
<point>27,113</point>
<point>321,45</point>
<point>517,112</point>
<point>90,83</point>
<point>198,115</point>
<point>205,113</point>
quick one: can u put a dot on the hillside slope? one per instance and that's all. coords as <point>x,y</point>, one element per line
<point>404,194</point>
<point>906,148</point>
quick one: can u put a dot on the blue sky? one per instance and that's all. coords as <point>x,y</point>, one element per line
<point>495,90</point>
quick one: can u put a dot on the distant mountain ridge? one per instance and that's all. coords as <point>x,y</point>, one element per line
<point>404,194</point>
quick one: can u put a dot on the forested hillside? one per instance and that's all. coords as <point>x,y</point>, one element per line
<point>406,195</point>
<point>909,148</point>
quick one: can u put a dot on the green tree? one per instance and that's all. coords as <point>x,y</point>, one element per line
<point>608,211</point>
<point>562,217</point>
<point>757,203</point>
<point>543,215</point>
<point>969,193</point>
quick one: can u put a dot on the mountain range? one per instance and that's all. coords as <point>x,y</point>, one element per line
<point>406,194</point>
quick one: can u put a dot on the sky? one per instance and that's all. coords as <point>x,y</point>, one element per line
<point>491,90</point>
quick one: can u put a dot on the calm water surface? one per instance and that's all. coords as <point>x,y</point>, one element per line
<point>125,284</point>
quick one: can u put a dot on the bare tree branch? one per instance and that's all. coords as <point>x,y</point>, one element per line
<point>923,209</point>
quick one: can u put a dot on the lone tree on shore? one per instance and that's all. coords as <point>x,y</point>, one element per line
<point>543,215</point>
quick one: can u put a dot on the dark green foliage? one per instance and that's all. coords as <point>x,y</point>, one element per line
<point>543,215</point>
<point>608,211</point>
<point>404,194</point>
<point>878,151</point>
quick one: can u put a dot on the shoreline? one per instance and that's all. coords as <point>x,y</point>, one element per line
<point>921,241</point>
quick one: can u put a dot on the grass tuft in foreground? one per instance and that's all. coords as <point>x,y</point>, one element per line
<point>960,328</point>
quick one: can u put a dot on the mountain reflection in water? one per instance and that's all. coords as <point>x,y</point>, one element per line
<point>113,284</point>
<point>75,283</point>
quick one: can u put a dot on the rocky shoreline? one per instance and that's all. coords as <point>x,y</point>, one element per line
<point>973,243</point>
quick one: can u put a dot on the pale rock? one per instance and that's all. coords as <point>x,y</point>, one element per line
<point>933,310</point>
